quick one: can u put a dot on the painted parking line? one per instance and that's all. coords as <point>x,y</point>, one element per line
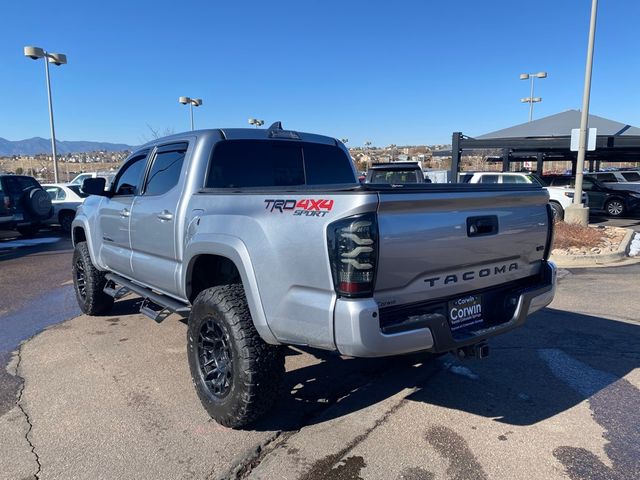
<point>579,376</point>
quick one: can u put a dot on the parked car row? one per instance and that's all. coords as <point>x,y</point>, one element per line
<point>559,197</point>
<point>614,203</point>
<point>615,193</point>
<point>26,205</point>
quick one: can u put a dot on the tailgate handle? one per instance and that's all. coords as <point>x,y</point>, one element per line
<point>481,226</point>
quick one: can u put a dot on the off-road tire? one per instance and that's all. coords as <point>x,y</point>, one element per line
<point>614,207</point>
<point>252,369</point>
<point>89,282</point>
<point>558,211</point>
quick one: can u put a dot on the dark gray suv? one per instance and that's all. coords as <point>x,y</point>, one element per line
<point>24,204</point>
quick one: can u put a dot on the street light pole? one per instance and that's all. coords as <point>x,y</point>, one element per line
<point>580,214</point>
<point>531,99</point>
<point>59,59</point>
<point>193,102</point>
<point>54,151</point>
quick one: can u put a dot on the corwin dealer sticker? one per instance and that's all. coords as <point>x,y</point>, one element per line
<point>465,312</point>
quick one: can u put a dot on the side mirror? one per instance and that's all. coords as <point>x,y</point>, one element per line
<point>95,186</point>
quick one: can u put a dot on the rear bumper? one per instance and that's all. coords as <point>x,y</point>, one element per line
<point>358,332</point>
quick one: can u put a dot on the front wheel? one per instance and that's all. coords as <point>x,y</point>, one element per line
<point>557,210</point>
<point>237,375</point>
<point>89,283</point>
<point>615,207</point>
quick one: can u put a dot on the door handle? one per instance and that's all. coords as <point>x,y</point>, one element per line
<point>124,212</point>
<point>481,226</point>
<point>165,215</point>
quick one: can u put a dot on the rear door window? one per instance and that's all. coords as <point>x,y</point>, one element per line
<point>631,176</point>
<point>274,163</point>
<point>513,179</point>
<point>56,193</point>
<point>606,177</point>
<point>490,179</point>
<point>166,168</point>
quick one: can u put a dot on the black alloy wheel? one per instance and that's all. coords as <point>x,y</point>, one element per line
<point>89,283</point>
<point>80,278</point>
<point>215,358</point>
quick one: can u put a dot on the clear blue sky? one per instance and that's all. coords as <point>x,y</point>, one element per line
<point>403,72</point>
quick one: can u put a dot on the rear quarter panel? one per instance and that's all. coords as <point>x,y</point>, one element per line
<point>287,251</point>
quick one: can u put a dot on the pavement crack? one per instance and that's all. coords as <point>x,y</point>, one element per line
<point>244,467</point>
<point>26,416</point>
<point>326,467</point>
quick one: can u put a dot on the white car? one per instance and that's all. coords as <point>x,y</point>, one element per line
<point>559,197</point>
<point>65,198</point>
<point>81,177</point>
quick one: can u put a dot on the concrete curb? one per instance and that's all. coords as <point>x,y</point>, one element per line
<point>568,261</point>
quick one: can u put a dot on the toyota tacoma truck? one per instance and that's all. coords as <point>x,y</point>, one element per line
<point>264,238</point>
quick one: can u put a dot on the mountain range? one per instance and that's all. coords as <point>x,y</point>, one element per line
<point>35,145</point>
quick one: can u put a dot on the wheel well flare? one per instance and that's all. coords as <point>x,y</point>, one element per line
<point>206,271</point>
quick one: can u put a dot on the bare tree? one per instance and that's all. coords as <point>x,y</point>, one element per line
<point>155,133</point>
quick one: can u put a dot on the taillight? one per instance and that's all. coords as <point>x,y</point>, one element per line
<point>550,222</point>
<point>353,253</point>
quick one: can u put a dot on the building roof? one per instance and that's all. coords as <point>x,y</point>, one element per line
<point>561,124</point>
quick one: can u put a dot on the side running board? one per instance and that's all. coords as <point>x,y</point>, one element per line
<point>155,305</point>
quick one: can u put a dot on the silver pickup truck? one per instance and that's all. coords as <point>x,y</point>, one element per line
<point>264,238</point>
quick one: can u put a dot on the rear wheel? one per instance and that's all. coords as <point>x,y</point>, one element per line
<point>236,374</point>
<point>558,211</point>
<point>89,283</point>
<point>615,207</point>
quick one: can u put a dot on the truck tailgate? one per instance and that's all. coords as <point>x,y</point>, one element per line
<point>454,241</point>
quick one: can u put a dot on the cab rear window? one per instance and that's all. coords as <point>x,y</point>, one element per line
<point>277,163</point>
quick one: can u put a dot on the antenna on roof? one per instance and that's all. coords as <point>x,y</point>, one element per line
<point>275,126</point>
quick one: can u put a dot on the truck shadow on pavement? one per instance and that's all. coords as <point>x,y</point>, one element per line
<point>532,374</point>
<point>558,360</point>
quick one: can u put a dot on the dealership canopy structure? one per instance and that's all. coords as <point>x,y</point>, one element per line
<point>549,139</point>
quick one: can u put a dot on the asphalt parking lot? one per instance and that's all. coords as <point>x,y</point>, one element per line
<point>111,397</point>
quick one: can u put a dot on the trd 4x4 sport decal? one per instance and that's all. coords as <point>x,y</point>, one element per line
<point>309,207</point>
